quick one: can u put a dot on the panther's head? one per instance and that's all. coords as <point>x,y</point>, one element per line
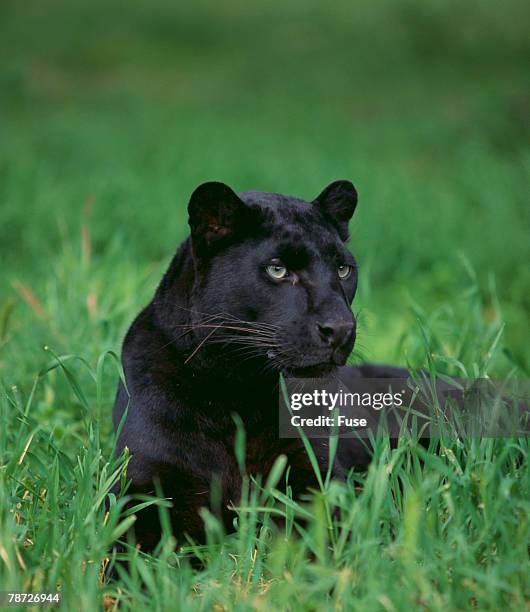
<point>274,280</point>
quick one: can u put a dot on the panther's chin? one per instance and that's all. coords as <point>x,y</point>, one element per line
<point>318,370</point>
<point>311,366</point>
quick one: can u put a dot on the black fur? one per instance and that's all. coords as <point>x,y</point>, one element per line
<point>215,337</point>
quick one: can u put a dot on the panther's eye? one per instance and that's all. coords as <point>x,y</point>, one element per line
<point>276,271</point>
<point>344,271</point>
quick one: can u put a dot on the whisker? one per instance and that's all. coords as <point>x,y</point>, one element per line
<point>255,335</point>
<point>221,326</point>
<point>200,345</point>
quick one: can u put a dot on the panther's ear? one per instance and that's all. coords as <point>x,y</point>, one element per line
<point>338,202</point>
<point>214,210</point>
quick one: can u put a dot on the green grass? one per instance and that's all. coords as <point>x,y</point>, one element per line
<point>109,117</point>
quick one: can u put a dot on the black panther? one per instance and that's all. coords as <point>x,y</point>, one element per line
<point>262,286</point>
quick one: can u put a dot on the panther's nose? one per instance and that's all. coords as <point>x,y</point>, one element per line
<point>336,333</point>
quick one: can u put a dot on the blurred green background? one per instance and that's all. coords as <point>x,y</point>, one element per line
<point>111,113</point>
